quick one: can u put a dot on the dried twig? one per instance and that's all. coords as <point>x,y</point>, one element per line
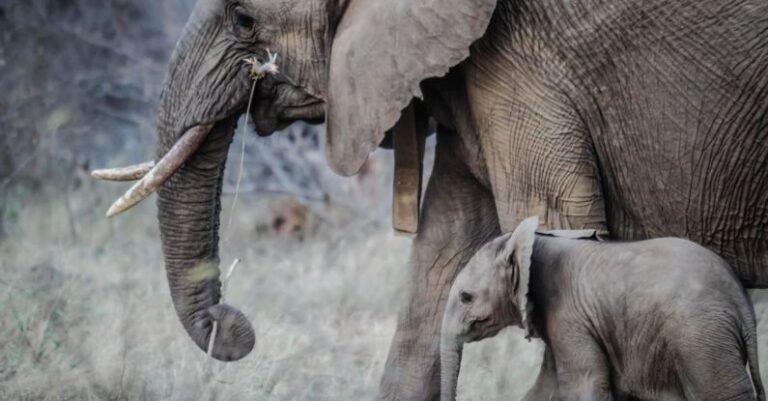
<point>258,71</point>
<point>223,292</point>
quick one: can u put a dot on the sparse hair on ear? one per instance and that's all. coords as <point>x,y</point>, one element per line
<point>520,240</point>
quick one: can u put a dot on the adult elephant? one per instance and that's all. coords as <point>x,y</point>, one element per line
<point>639,118</point>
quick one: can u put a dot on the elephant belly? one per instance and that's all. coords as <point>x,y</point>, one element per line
<point>680,126</point>
<point>701,176</point>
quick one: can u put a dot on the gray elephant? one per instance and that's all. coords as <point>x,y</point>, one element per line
<point>656,319</point>
<point>637,118</point>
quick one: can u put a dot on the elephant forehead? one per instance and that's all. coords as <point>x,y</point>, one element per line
<point>479,271</point>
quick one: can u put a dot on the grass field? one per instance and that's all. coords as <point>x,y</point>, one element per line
<point>85,312</point>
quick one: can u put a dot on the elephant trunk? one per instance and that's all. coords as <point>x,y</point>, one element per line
<point>189,202</point>
<point>188,211</point>
<point>451,346</point>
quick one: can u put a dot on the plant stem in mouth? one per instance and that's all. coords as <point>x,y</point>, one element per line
<point>242,160</point>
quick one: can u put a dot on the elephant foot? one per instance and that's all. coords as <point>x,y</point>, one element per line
<point>412,372</point>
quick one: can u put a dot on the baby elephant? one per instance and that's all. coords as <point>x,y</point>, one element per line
<point>662,319</point>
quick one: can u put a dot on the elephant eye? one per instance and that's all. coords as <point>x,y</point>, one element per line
<point>466,298</point>
<point>243,21</point>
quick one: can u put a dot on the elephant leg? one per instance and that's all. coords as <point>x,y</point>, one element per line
<point>458,217</point>
<point>545,387</point>
<point>583,373</point>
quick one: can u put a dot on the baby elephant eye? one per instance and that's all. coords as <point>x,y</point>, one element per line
<point>466,298</point>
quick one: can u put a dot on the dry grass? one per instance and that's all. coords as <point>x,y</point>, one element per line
<point>85,313</point>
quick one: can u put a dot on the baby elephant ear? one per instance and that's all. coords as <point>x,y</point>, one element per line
<point>517,252</point>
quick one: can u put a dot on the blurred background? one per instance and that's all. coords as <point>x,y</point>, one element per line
<point>85,312</point>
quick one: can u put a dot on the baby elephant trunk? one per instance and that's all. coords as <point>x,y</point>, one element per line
<point>752,360</point>
<point>451,346</point>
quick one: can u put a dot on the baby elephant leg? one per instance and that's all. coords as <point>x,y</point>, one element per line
<point>545,388</point>
<point>582,372</point>
<point>709,375</point>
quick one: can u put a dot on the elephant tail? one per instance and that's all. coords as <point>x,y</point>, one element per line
<point>750,339</point>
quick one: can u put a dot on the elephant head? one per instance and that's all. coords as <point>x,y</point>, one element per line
<point>353,63</point>
<point>490,293</point>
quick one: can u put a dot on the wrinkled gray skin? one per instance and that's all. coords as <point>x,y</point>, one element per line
<point>661,319</point>
<point>638,118</point>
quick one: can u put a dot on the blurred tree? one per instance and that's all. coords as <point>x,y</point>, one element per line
<point>80,79</point>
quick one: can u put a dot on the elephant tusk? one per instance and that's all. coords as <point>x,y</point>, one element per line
<point>163,170</point>
<point>127,173</point>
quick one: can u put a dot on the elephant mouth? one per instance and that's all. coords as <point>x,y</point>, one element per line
<point>312,113</point>
<point>267,123</point>
<point>478,333</point>
<point>280,101</point>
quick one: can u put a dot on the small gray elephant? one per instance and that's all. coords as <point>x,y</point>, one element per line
<point>656,319</point>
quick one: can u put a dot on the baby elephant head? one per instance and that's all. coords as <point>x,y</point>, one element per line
<point>488,295</point>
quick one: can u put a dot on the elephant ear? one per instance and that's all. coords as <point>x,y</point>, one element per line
<point>381,52</point>
<point>516,255</point>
